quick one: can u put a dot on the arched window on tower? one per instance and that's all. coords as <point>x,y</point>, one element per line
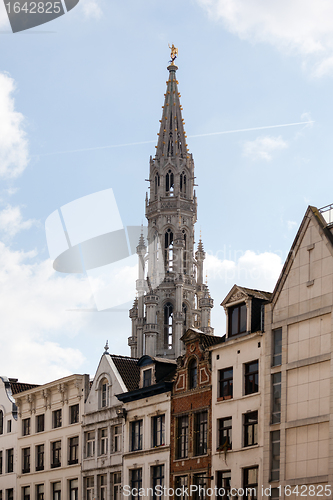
<point>182,184</point>
<point>157,184</point>
<point>1,422</point>
<point>169,183</point>
<point>185,253</point>
<point>184,310</point>
<point>168,250</point>
<point>192,373</point>
<point>168,320</point>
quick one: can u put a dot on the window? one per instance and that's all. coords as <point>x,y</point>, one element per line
<point>224,434</point>
<point>26,493</point>
<point>90,488</point>
<point>277,347</point>
<point>74,414</point>
<point>103,441</point>
<point>147,378</point>
<point>158,430</point>
<point>275,455</point>
<point>181,483</point>
<point>251,428</point>
<point>226,383</point>
<point>237,319</point>
<point>104,394</point>
<point>0,462</point>
<point>250,483</point>
<point>200,433</point>
<point>275,494</point>
<point>251,377</point>
<point>26,426</point>
<point>40,457</point>
<point>102,487</point>
<point>116,482</point>
<point>116,438</point>
<point>40,419</point>
<point>192,374</point>
<point>10,494</point>
<point>136,435</point>
<point>157,479</point>
<point>9,426</point>
<point>40,492</point>
<point>74,489</point>
<point>182,183</point>
<point>276,390</point>
<point>25,460</point>
<point>56,454</point>
<point>10,460</point>
<point>136,482</point>
<point>182,437</point>
<point>223,480</point>
<point>90,444</point>
<point>168,250</point>
<point>56,419</point>
<point>73,450</point>
<point>200,480</point>
<point>169,183</point>
<point>1,422</point>
<point>168,320</point>
<point>56,491</point>
<point>157,184</point>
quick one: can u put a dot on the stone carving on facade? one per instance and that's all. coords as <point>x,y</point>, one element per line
<point>63,390</point>
<point>47,398</point>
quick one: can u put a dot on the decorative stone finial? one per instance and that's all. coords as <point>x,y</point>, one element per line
<point>106,347</point>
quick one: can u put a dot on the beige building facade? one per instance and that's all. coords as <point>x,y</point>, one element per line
<point>298,402</point>
<point>238,386</point>
<point>49,444</point>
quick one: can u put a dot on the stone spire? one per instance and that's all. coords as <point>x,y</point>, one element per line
<point>172,136</point>
<point>171,293</point>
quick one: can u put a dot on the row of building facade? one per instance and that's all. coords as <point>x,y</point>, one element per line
<point>248,414</point>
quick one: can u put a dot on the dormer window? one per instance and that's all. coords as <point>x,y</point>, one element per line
<point>147,378</point>
<point>237,319</point>
<point>193,374</point>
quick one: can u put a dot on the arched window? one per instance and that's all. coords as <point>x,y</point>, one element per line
<point>104,393</point>
<point>1,422</point>
<point>185,253</point>
<point>168,250</point>
<point>157,184</point>
<point>193,374</point>
<point>184,310</point>
<point>182,183</point>
<point>168,320</point>
<point>169,183</point>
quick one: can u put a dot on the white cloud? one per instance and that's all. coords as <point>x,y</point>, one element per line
<point>11,221</point>
<point>34,303</point>
<point>13,140</point>
<point>302,27</point>
<point>252,270</point>
<point>91,9</point>
<point>263,147</point>
<point>291,224</point>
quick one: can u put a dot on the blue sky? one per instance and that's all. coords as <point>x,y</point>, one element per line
<point>73,91</point>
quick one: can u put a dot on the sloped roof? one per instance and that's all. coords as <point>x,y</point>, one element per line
<point>17,387</point>
<point>313,214</point>
<point>206,340</point>
<point>128,370</point>
<point>258,294</point>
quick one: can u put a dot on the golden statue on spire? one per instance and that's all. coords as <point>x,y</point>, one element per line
<point>174,53</point>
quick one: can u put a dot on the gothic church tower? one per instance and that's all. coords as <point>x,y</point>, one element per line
<point>171,294</point>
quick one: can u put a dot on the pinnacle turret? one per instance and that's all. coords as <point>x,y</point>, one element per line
<point>172,136</point>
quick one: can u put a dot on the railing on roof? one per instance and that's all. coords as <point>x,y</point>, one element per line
<point>327,213</point>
